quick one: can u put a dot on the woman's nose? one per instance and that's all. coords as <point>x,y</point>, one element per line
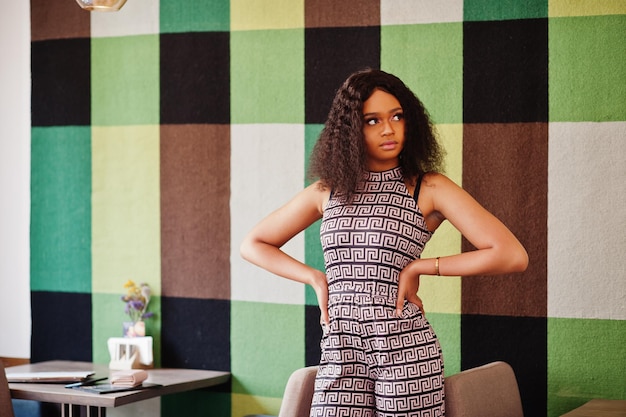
<point>387,129</point>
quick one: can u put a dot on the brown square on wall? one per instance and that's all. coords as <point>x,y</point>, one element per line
<point>505,168</point>
<point>58,19</point>
<point>195,211</point>
<point>333,13</point>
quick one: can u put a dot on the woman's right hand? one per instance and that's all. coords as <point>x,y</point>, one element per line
<point>408,285</point>
<point>320,285</point>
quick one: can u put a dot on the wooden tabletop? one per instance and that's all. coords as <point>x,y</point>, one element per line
<point>599,408</point>
<point>172,381</point>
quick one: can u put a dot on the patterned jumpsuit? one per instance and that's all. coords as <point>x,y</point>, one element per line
<point>375,364</point>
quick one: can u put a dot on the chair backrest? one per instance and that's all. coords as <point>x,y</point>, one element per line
<point>299,393</point>
<point>6,406</point>
<point>490,390</point>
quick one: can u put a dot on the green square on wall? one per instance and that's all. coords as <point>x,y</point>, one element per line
<point>313,254</point>
<point>267,345</point>
<point>314,257</point>
<point>125,80</point>
<point>482,10</point>
<point>587,69</point>
<point>586,360</point>
<point>448,330</point>
<point>267,76</point>
<point>311,134</point>
<point>433,69</point>
<point>200,16</point>
<point>60,231</point>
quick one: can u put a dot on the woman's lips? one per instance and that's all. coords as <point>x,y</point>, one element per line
<point>389,145</point>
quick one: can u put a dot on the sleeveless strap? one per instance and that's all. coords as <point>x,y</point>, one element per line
<point>416,193</point>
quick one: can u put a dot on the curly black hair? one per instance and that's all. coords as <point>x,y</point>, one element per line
<point>339,157</point>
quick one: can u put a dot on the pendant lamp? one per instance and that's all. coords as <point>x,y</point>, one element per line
<point>101,5</point>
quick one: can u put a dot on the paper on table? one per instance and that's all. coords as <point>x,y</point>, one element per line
<point>48,377</point>
<point>131,378</point>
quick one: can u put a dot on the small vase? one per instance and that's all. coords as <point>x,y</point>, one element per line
<point>134,328</point>
<point>140,328</point>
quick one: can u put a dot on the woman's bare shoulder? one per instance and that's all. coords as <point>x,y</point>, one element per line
<point>433,183</point>
<point>433,179</point>
<point>318,193</point>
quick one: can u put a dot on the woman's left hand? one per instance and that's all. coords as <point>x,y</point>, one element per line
<point>408,285</point>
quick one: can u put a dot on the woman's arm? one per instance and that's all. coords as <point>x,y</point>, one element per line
<point>497,250</point>
<point>262,244</point>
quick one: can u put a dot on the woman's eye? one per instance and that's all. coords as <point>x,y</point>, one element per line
<point>371,122</point>
<point>398,116</point>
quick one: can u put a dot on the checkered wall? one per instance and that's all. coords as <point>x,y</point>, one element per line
<point>163,132</point>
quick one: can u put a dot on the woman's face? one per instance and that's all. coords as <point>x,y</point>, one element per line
<point>383,130</point>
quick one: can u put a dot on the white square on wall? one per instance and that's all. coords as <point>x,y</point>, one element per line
<point>136,17</point>
<point>267,170</point>
<point>407,12</point>
<point>587,220</point>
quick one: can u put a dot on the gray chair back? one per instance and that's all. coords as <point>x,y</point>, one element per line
<point>490,390</point>
<point>298,394</point>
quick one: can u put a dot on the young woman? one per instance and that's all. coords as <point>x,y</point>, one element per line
<point>381,196</point>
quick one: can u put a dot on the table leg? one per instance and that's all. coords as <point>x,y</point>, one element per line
<point>67,410</point>
<point>96,411</point>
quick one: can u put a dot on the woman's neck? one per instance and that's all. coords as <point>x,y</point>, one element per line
<point>380,166</point>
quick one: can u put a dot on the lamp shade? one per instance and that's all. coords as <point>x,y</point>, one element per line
<point>101,5</point>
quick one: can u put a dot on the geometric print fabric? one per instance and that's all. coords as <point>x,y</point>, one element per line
<point>373,362</point>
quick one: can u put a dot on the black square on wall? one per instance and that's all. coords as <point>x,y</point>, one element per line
<point>312,335</point>
<point>61,82</point>
<point>195,333</point>
<point>195,78</point>
<point>522,342</point>
<point>62,326</point>
<point>331,54</point>
<point>505,71</point>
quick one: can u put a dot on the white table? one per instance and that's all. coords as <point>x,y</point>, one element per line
<point>171,380</point>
